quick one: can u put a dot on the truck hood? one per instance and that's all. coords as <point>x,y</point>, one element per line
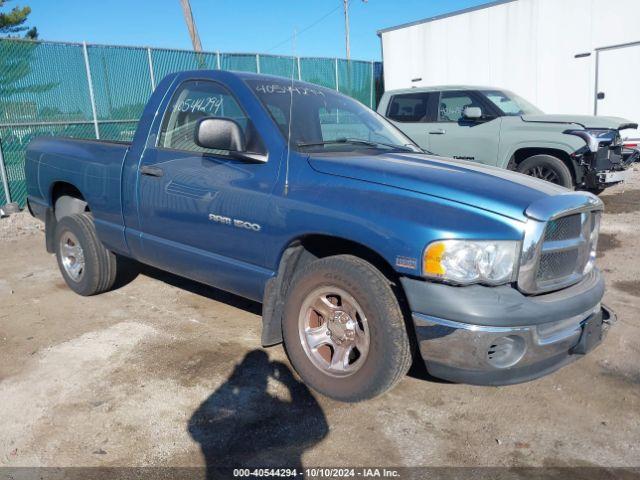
<point>489,188</point>
<point>585,121</point>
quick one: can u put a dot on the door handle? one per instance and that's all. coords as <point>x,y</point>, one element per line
<point>151,171</point>
<point>439,131</point>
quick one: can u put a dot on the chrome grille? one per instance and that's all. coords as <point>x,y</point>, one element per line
<point>559,245</point>
<point>566,250</point>
<point>563,228</point>
<point>556,265</point>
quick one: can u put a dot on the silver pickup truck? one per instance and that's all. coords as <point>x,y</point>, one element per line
<point>497,127</point>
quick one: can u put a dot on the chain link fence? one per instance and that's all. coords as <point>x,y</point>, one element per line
<point>99,91</point>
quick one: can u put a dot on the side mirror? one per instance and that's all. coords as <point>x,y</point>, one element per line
<point>220,134</point>
<point>472,113</point>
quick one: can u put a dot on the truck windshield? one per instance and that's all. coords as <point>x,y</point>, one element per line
<point>510,104</point>
<point>324,120</point>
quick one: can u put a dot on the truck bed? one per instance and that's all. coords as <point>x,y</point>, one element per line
<point>94,167</point>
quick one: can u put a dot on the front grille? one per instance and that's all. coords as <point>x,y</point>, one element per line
<point>556,265</point>
<point>563,228</point>
<point>568,245</point>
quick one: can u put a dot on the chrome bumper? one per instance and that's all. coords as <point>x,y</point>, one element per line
<point>500,355</point>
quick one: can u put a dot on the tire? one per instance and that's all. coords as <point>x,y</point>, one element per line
<point>379,356</point>
<point>87,266</point>
<point>549,168</point>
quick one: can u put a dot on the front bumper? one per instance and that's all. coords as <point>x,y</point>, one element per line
<point>610,178</point>
<point>608,166</point>
<point>486,337</point>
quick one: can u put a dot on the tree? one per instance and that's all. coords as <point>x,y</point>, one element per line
<point>16,58</point>
<point>13,22</point>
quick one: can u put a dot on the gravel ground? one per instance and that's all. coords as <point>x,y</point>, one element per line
<point>166,372</point>
<point>16,226</point>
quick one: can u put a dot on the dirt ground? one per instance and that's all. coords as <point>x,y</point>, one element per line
<point>166,372</point>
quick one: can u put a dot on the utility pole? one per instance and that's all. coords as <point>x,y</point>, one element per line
<point>346,28</point>
<point>191,25</point>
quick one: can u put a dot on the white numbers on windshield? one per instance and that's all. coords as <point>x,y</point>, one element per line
<point>288,89</point>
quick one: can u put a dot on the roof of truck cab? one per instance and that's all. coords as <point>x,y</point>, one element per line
<point>239,74</point>
<point>441,88</point>
<point>244,76</point>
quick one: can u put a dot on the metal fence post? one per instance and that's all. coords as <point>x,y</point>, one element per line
<point>218,60</point>
<point>371,87</point>
<point>91,96</point>
<point>337,87</point>
<point>152,74</point>
<point>299,70</point>
<point>3,173</point>
<point>257,63</point>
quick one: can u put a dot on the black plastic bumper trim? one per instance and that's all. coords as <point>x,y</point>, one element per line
<point>503,305</point>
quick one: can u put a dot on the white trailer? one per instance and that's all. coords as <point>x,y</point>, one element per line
<point>565,56</point>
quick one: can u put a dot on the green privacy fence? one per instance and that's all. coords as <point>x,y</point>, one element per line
<point>99,91</point>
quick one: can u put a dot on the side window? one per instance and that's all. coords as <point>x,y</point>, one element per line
<point>452,104</point>
<point>410,107</point>
<point>195,100</point>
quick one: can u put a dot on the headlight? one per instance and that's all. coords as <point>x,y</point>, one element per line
<point>469,261</point>
<point>593,138</point>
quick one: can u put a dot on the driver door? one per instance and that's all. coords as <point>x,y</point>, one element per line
<point>190,198</point>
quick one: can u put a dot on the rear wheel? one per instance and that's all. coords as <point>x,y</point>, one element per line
<point>547,167</point>
<point>344,330</point>
<point>87,266</point>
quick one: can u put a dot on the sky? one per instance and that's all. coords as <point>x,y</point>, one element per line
<point>265,26</point>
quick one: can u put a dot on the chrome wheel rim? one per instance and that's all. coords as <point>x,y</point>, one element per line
<point>72,256</point>
<point>544,173</point>
<point>334,331</point>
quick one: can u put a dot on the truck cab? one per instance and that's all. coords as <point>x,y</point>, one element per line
<point>498,127</point>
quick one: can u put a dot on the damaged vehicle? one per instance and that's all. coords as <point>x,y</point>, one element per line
<point>498,127</point>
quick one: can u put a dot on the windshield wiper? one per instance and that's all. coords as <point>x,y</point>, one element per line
<point>356,141</point>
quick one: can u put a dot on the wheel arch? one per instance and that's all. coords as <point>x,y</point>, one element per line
<point>299,252</point>
<point>65,199</point>
<point>62,189</point>
<point>522,153</point>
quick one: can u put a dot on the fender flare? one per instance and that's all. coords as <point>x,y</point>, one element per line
<point>563,147</point>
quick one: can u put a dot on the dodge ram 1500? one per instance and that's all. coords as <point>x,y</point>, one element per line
<point>365,251</point>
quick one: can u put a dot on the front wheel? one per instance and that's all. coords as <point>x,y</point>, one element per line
<point>344,330</point>
<point>547,167</point>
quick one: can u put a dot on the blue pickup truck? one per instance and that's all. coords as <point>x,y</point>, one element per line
<point>365,251</point>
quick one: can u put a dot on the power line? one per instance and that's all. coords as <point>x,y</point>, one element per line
<point>306,28</point>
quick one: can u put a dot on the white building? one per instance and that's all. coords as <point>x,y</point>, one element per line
<point>559,54</point>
